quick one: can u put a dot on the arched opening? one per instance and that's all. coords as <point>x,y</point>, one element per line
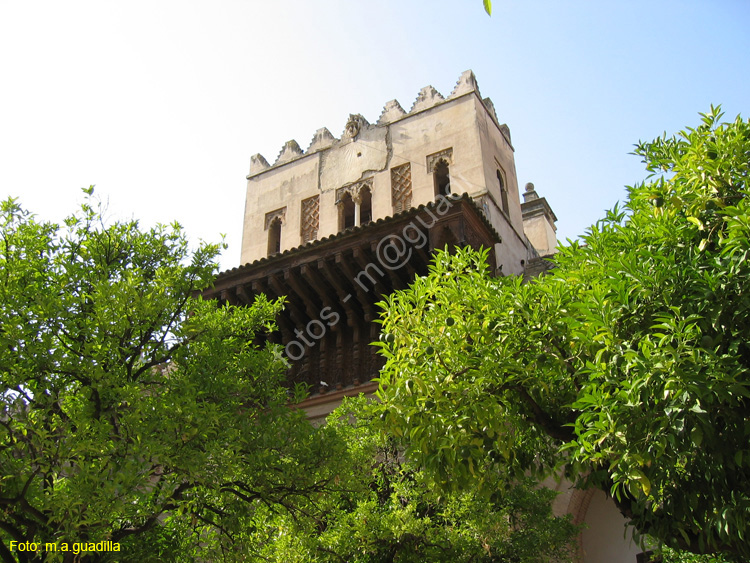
<point>346,212</point>
<point>442,178</point>
<point>274,237</point>
<point>503,193</point>
<point>365,206</point>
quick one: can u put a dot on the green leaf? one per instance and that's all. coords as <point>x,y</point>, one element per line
<point>696,435</point>
<point>488,7</point>
<point>632,351</point>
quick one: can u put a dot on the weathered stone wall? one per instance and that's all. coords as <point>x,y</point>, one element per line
<point>462,130</point>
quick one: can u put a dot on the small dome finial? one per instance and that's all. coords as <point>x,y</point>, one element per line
<point>530,194</point>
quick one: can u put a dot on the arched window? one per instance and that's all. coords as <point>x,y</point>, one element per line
<point>442,178</point>
<point>346,211</point>
<point>274,237</point>
<point>503,193</point>
<point>355,205</point>
<point>365,206</point>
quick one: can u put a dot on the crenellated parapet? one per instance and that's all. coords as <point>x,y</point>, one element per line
<point>391,112</point>
<point>427,98</point>
<point>289,151</point>
<point>467,82</point>
<point>505,130</point>
<point>322,140</point>
<point>490,108</point>
<point>258,164</point>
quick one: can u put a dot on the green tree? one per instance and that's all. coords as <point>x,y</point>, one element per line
<point>386,510</point>
<point>132,410</point>
<point>628,365</point>
<point>668,555</point>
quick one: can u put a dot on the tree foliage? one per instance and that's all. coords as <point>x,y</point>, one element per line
<point>135,412</point>
<point>629,364</point>
<point>668,555</point>
<point>387,510</point>
<point>132,410</point>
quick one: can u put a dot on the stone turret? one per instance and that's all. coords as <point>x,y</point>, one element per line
<point>539,222</point>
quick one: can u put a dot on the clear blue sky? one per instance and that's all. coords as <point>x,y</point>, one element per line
<point>161,103</point>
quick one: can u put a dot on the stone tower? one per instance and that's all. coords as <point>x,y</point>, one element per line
<point>339,225</point>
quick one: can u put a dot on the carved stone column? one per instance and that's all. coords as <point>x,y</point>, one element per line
<point>357,199</point>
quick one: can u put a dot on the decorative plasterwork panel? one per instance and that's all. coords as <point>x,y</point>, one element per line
<point>401,187</point>
<point>310,218</point>
<point>279,214</point>
<point>353,190</point>
<point>432,160</point>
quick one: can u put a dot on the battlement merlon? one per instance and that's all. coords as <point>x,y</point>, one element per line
<point>427,98</point>
<point>372,171</point>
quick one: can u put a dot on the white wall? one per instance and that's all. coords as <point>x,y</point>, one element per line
<point>605,538</point>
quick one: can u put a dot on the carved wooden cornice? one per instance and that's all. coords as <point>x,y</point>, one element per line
<point>346,274</point>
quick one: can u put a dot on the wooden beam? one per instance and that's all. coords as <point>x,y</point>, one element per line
<point>334,277</point>
<point>353,278</point>
<point>324,290</point>
<point>310,300</point>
